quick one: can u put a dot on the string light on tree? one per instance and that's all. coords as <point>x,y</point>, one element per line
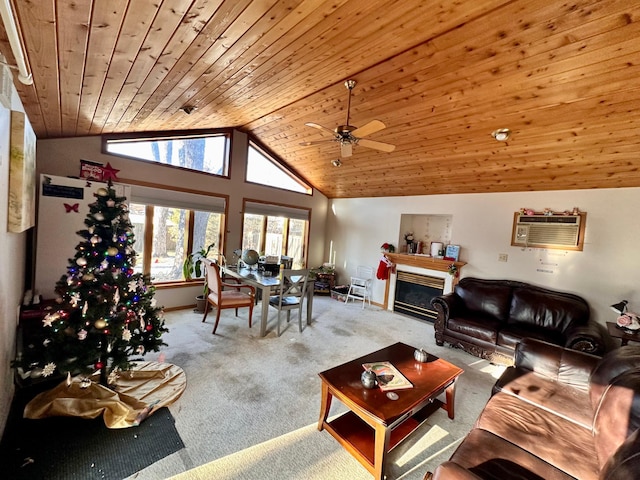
<point>99,296</point>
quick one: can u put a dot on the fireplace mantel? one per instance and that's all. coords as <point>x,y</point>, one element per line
<point>419,261</point>
<point>423,261</point>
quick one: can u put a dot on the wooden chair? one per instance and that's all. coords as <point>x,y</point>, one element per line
<point>360,285</point>
<point>291,294</point>
<point>220,299</point>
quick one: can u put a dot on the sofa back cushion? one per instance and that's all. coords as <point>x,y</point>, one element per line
<point>487,297</point>
<point>547,309</point>
<point>617,415</point>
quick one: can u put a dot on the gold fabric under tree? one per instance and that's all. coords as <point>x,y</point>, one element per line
<point>136,394</point>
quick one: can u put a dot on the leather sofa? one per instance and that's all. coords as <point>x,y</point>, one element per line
<point>488,318</point>
<point>556,414</point>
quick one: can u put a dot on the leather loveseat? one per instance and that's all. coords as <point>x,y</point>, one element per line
<point>488,318</point>
<point>556,414</point>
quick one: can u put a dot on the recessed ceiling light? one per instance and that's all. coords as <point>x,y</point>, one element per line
<point>501,135</point>
<point>336,162</point>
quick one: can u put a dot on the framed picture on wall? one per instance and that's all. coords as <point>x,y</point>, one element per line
<point>22,174</point>
<point>452,253</point>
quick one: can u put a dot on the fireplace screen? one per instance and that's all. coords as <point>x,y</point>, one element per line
<point>414,293</point>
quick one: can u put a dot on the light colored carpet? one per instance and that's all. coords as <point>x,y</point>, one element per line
<point>251,406</point>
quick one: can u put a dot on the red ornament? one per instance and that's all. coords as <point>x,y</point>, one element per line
<point>149,327</point>
<point>99,365</point>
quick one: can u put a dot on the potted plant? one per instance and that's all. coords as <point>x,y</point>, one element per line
<point>193,267</point>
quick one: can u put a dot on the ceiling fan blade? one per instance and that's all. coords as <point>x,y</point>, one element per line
<point>367,129</point>
<point>346,149</point>
<point>321,128</point>
<point>385,147</point>
<point>316,142</point>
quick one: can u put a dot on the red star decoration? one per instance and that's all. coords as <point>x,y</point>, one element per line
<point>109,173</point>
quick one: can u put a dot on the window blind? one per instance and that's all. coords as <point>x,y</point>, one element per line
<point>177,199</point>
<point>257,208</point>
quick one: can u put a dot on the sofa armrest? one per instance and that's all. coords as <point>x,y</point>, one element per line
<point>445,306</point>
<point>590,338</point>
<point>452,471</point>
<point>555,362</point>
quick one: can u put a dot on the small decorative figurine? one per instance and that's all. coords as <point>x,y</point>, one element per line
<point>368,379</point>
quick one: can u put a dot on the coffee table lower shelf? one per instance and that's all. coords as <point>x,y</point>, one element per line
<point>358,438</point>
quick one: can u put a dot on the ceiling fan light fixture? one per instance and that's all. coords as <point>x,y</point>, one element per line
<point>336,162</point>
<point>502,134</point>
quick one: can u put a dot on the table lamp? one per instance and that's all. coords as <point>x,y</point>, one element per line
<point>620,307</point>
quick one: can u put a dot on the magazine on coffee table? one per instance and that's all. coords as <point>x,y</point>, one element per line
<point>388,376</point>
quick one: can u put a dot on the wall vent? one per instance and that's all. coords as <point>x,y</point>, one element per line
<point>565,232</point>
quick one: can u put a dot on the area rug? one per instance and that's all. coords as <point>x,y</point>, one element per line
<point>74,448</point>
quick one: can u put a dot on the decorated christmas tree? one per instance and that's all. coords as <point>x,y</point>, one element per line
<point>107,313</point>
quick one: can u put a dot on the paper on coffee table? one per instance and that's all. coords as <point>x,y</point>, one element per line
<point>388,376</point>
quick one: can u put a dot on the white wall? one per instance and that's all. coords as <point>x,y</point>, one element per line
<point>62,157</point>
<point>607,271</point>
<point>12,265</point>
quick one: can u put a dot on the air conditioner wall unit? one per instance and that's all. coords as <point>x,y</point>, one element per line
<point>564,232</point>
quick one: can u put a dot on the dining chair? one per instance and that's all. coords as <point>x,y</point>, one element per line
<point>291,293</point>
<point>360,285</point>
<point>233,297</point>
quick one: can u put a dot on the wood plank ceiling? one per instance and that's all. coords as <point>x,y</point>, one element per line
<point>563,76</point>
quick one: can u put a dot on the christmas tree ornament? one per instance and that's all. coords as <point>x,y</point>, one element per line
<point>98,297</point>
<point>48,369</point>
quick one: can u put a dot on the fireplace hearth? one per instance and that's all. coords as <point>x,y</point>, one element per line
<point>413,294</point>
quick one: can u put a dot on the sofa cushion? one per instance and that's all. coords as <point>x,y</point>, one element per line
<point>564,444</point>
<point>547,309</point>
<point>490,299</point>
<point>512,334</point>
<point>618,414</point>
<point>490,457</point>
<point>477,326</point>
<point>555,397</point>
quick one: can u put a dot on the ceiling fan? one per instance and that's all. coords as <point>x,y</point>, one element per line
<point>348,135</point>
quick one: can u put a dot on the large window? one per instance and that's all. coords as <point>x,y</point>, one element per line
<point>276,230</point>
<point>202,152</point>
<point>169,224</point>
<point>262,168</point>
<point>171,233</point>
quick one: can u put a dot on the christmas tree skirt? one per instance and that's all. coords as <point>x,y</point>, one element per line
<point>136,395</point>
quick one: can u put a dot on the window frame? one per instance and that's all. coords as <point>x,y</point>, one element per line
<point>176,134</point>
<point>148,237</point>
<point>285,243</point>
<point>273,158</point>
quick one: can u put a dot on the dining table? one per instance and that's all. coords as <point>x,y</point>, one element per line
<point>267,284</point>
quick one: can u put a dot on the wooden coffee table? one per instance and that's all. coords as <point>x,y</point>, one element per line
<point>375,424</point>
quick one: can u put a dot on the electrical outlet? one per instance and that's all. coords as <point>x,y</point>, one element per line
<point>503,257</point>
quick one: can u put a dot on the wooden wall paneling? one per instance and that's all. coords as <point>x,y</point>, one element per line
<point>73,35</point>
<point>43,54</point>
<point>196,62</point>
<point>134,29</point>
<point>233,58</point>
<point>192,24</point>
<point>275,66</point>
<point>106,20</point>
<point>167,20</point>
